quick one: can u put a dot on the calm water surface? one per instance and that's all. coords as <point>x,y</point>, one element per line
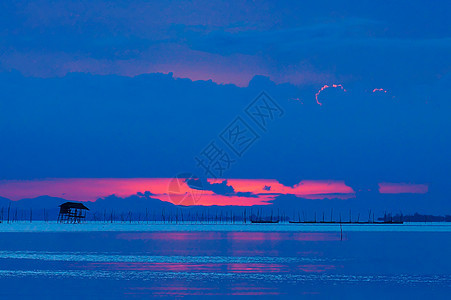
<point>94,265</point>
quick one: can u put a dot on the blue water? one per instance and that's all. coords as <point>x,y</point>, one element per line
<point>115,265</point>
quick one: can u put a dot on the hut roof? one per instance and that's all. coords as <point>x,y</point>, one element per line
<point>76,205</point>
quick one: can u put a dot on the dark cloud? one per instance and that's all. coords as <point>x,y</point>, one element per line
<point>221,188</point>
<point>246,194</point>
<point>154,125</point>
<point>146,194</point>
<point>290,42</point>
<point>218,188</point>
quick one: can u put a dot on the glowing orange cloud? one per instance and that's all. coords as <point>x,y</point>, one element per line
<point>247,192</point>
<point>81,189</point>
<point>379,90</point>
<point>90,189</point>
<point>310,189</point>
<point>402,188</point>
<point>326,87</point>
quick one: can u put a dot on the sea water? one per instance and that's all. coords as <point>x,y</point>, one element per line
<point>95,261</point>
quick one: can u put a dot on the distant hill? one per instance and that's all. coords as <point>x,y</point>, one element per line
<point>40,202</point>
<point>144,206</point>
<point>4,201</point>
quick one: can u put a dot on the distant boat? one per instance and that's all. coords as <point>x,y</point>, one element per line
<point>388,222</point>
<point>264,222</point>
<point>315,222</point>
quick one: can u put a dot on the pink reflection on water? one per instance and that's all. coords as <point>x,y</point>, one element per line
<point>156,267</point>
<point>252,291</point>
<point>185,290</point>
<point>316,268</point>
<point>210,243</point>
<point>254,252</point>
<point>282,236</point>
<point>257,268</point>
<point>234,236</point>
<point>236,268</point>
<point>170,236</point>
<point>166,290</point>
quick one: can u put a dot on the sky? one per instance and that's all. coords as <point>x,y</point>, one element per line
<point>117,90</point>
